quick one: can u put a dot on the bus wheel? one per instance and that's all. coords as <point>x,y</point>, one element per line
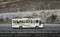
<point>20,27</point>
<point>36,27</point>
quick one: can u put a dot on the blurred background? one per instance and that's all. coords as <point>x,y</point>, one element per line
<point>47,10</point>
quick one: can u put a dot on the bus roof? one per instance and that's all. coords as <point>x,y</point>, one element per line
<point>27,19</point>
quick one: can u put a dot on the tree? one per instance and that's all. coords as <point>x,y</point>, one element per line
<point>1,20</point>
<point>53,17</point>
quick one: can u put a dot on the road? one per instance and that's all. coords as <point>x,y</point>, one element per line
<point>46,27</point>
<point>52,28</point>
<point>6,28</point>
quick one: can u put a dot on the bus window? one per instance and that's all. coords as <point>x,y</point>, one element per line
<point>21,21</point>
<point>36,21</point>
<point>17,21</point>
<point>27,21</point>
<point>24,21</point>
<point>14,21</point>
<point>31,21</point>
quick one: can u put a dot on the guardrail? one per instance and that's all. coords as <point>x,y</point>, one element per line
<point>35,33</point>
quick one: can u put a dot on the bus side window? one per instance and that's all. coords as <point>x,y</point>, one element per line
<point>21,22</point>
<point>26,21</point>
<point>31,21</point>
<point>14,21</point>
<point>17,21</point>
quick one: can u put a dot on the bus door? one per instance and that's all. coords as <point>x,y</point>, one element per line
<point>39,22</point>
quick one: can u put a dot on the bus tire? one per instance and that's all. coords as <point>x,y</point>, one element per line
<point>37,27</point>
<point>20,27</point>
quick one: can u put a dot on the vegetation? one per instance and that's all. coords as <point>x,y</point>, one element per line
<point>52,22</point>
<point>1,20</point>
<point>5,1</point>
<point>5,22</point>
<point>53,17</point>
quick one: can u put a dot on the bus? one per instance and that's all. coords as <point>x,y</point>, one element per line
<point>27,23</point>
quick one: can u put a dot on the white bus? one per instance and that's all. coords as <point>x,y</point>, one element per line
<point>27,23</point>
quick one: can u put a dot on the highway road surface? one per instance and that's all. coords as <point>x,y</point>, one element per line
<point>46,27</point>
